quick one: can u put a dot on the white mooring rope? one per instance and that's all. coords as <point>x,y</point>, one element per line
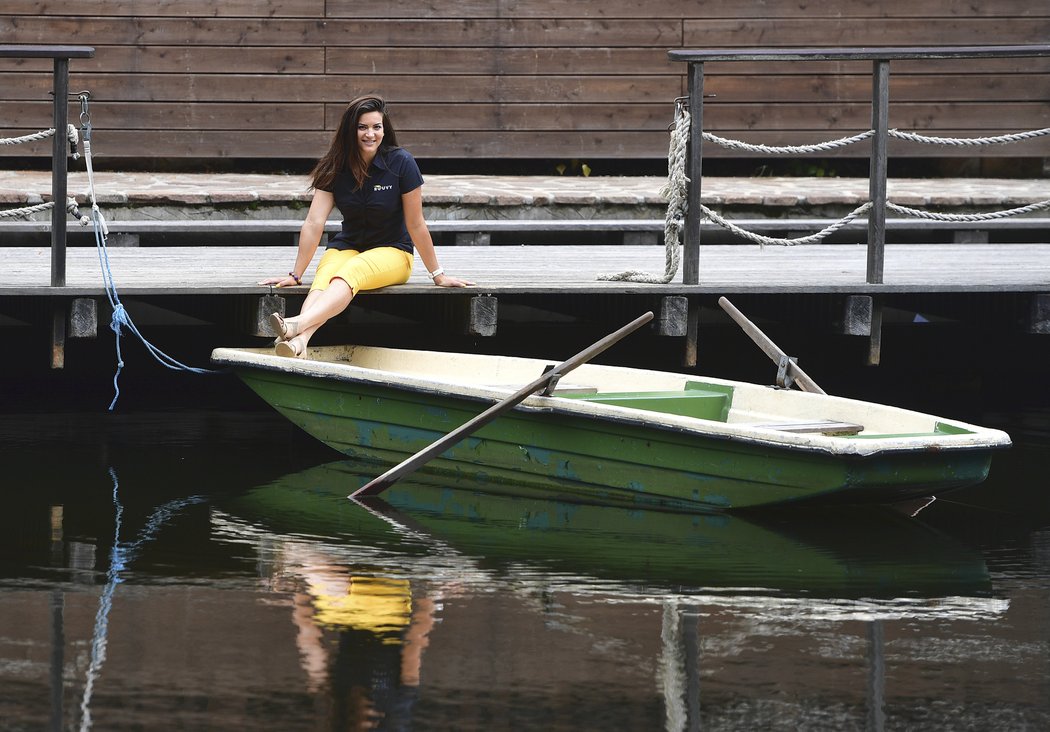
<point>676,191</point>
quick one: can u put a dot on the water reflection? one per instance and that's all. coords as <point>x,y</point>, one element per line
<point>377,576</point>
<point>242,593</point>
<point>841,554</point>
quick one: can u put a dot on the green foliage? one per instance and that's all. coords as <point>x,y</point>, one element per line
<point>573,167</point>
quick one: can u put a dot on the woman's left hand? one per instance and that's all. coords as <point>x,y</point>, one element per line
<point>444,280</point>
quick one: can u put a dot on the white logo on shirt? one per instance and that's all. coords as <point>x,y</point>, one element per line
<point>378,187</point>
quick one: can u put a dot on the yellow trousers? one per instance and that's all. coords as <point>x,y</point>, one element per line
<point>367,270</point>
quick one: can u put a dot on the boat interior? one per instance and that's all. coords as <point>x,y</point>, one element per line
<point>737,403</point>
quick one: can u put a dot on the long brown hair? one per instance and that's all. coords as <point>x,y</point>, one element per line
<point>344,154</point>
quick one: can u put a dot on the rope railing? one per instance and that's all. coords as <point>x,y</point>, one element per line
<point>73,136</point>
<point>676,191</point>
<point>788,149</point>
<point>27,211</point>
<point>916,213</point>
<point>828,145</point>
<point>990,216</point>
<point>762,240</point>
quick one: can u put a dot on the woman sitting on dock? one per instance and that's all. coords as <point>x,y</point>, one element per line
<point>378,189</point>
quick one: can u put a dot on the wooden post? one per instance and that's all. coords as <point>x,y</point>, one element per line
<point>692,334</point>
<point>691,242</point>
<point>880,122</point>
<point>59,171</point>
<point>694,171</point>
<point>875,337</point>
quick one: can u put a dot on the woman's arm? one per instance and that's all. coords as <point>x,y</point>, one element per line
<point>412,203</point>
<point>309,239</point>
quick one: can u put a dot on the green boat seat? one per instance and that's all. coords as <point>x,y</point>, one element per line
<point>700,404</point>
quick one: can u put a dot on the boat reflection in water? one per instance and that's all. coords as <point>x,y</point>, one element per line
<point>384,577</point>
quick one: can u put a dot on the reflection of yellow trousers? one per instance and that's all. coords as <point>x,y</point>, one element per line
<point>381,605</point>
<point>367,270</point>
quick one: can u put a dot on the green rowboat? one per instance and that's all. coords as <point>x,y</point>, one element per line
<point>617,435</point>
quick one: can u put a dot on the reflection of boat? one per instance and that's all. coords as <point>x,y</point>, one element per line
<point>840,553</point>
<point>626,436</point>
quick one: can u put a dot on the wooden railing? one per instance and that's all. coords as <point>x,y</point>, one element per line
<point>60,149</point>
<point>59,172</point>
<point>880,101</point>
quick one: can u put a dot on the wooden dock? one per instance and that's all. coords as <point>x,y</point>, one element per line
<point>550,239</point>
<point>544,270</point>
<point>950,280</point>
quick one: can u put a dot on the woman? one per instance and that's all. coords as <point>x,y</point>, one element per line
<point>378,189</point>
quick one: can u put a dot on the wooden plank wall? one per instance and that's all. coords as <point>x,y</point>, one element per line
<point>497,79</point>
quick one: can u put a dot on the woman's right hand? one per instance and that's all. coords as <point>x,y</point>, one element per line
<point>286,281</point>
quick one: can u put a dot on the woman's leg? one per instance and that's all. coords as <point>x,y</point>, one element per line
<point>318,308</point>
<point>340,275</point>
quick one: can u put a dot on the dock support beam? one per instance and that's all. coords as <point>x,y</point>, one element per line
<point>1039,315</point>
<point>83,318</point>
<point>473,239</point>
<point>259,314</point>
<point>856,316</point>
<point>482,316</point>
<point>862,316</point>
<point>673,318</point>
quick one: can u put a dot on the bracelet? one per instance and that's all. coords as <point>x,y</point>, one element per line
<point>297,278</point>
<point>436,273</point>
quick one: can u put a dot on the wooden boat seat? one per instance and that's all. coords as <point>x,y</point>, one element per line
<point>823,427</point>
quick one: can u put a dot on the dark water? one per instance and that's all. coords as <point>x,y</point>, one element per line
<point>190,562</point>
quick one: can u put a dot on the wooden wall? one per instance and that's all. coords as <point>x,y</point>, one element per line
<point>496,79</point>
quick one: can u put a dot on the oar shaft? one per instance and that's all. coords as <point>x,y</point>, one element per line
<point>770,348</point>
<point>428,453</point>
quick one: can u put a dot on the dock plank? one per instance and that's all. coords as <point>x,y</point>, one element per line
<point>536,269</point>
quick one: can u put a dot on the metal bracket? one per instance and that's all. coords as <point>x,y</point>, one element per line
<point>784,378</point>
<point>552,384</point>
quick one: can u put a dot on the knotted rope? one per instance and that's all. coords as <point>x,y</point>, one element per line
<point>121,318</point>
<point>71,205</point>
<point>676,191</point>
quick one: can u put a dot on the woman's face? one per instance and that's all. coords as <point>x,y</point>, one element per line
<point>369,133</point>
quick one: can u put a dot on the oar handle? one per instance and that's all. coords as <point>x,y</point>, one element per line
<point>428,453</point>
<point>770,348</point>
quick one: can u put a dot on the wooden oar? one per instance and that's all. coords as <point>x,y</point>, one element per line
<point>770,348</point>
<point>424,456</point>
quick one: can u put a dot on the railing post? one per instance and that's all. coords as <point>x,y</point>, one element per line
<point>59,186</point>
<point>691,255</point>
<point>694,172</point>
<point>59,171</point>
<point>880,122</point>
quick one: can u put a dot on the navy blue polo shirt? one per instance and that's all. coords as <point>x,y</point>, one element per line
<point>372,214</point>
